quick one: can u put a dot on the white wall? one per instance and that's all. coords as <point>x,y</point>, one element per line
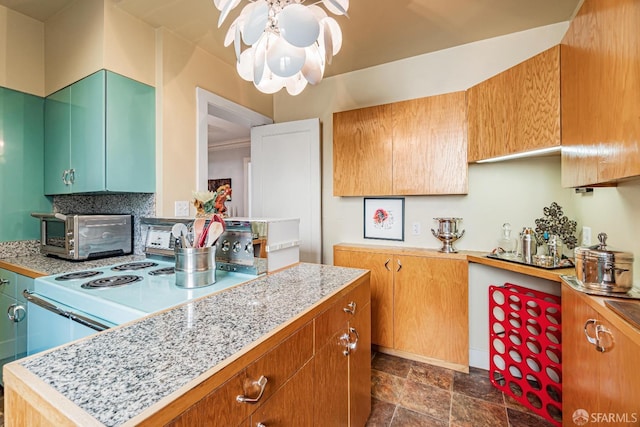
<point>229,163</point>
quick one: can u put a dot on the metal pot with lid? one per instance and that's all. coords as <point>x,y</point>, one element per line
<point>602,269</point>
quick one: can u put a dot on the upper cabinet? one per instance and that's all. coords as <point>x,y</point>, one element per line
<point>600,90</point>
<point>100,136</point>
<point>415,147</point>
<point>517,110</point>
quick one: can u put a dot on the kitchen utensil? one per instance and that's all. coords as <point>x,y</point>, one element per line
<point>203,237</point>
<point>602,269</point>
<point>447,233</point>
<point>529,244</point>
<point>180,231</point>
<point>215,231</point>
<point>198,229</point>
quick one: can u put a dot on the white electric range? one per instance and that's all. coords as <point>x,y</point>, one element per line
<point>65,307</point>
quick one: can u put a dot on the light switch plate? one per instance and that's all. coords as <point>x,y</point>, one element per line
<point>182,208</point>
<point>586,236</point>
<point>416,228</point>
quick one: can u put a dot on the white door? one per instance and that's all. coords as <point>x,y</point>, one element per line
<point>285,169</point>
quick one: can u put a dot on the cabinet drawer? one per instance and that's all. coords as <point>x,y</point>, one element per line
<point>218,409</point>
<point>279,364</point>
<point>8,282</point>
<point>335,318</point>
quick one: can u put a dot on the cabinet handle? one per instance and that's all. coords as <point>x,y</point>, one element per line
<point>16,313</point>
<point>4,282</point>
<point>260,425</point>
<point>262,383</point>
<point>64,177</point>
<point>353,345</point>
<point>72,176</point>
<point>345,340</point>
<point>590,322</point>
<point>399,266</point>
<point>350,308</point>
<point>386,264</point>
<point>600,329</point>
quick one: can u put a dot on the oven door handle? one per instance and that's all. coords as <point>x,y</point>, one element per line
<point>29,296</point>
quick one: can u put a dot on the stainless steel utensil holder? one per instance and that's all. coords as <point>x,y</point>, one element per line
<point>195,267</point>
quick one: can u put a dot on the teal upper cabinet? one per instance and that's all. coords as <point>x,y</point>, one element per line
<point>100,136</point>
<point>21,165</point>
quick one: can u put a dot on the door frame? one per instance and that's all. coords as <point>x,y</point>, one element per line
<point>210,104</point>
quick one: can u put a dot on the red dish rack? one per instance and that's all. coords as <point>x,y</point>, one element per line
<point>526,348</point>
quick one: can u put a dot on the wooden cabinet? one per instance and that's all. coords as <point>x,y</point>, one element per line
<point>411,147</point>
<point>13,319</point>
<point>343,362</point>
<point>318,375</point>
<point>600,76</point>
<point>603,383</point>
<point>100,136</point>
<point>419,301</point>
<point>517,110</point>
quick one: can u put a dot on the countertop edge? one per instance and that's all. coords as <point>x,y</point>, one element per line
<point>553,275</point>
<point>16,268</point>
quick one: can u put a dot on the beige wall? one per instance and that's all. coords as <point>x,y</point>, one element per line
<point>514,192</point>
<point>182,67</point>
<point>21,52</point>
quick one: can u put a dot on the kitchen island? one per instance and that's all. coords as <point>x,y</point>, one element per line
<point>303,328</point>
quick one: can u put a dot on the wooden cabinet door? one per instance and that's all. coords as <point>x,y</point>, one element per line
<point>580,367</point>
<point>430,145</point>
<point>381,290</point>
<point>360,368</point>
<point>291,405</point>
<point>362,150</point>
<point>600,91</point>
<point>431,313</point>
<point>517,110</point>
<point>331,402</point>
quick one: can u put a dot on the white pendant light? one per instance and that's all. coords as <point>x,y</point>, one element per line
<point>286,44</point>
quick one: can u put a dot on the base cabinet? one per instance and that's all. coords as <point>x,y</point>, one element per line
<point>13,317</point>
<point>318,375</point>
<point>419,301</point>
<point>600,379</point>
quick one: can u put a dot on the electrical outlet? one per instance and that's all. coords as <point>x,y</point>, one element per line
<point>416,228</point>
<point>586,236</point>
<point>182,208</point>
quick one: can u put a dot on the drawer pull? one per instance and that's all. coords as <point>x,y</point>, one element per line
<point>590,322</point>
<point>262,383</point>
<point>386,264</point>
<point>260,425</point>
<point>399,266</point>
<point>16,313</point>
<point>350,308</point>
<point>4,281</point>
<point>599,344</point>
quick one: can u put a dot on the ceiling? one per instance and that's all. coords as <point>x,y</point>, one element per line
<point>376,31</point>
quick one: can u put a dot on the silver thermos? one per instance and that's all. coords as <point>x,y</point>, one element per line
<point>528,244</point>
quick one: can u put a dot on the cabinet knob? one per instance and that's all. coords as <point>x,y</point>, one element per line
<point>350,308</point>
<point>16,313</point>
<point>262,383</point>
<point>4,281</point>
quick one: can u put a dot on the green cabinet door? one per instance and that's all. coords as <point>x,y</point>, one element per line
<point>101,136</point>
<point>130,135</point>
<point>87,148</point>
<point>13,330</point>
<point>57,142</point>
<point>21,165</point>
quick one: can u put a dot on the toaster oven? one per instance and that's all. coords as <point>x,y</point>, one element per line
<point>81,237</point>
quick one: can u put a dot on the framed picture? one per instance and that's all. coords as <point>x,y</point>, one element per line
<point>384,218</point>
<point>214,184</point>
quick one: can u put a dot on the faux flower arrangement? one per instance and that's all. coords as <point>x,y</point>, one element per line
<point>204,202</point>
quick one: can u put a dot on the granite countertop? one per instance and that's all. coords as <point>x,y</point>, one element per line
<point>40,265</point>
<point>117,374</point>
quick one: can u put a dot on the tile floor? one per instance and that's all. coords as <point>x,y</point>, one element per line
<point>407,393</point>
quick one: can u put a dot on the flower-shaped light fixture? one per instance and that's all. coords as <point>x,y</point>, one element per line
<point>289,44</point>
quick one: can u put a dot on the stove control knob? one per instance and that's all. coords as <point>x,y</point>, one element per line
<point>237,246</point>
<point>225,246</point>
<point>248,248</point>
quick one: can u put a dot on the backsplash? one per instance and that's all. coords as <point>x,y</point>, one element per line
<point>137,204</point>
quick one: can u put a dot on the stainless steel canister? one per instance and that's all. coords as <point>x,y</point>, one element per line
<point>195,267</point>
<point>602,269</point>
<point>529,244</point>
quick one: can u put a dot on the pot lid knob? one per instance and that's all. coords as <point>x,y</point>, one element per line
<point>602,237</point>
